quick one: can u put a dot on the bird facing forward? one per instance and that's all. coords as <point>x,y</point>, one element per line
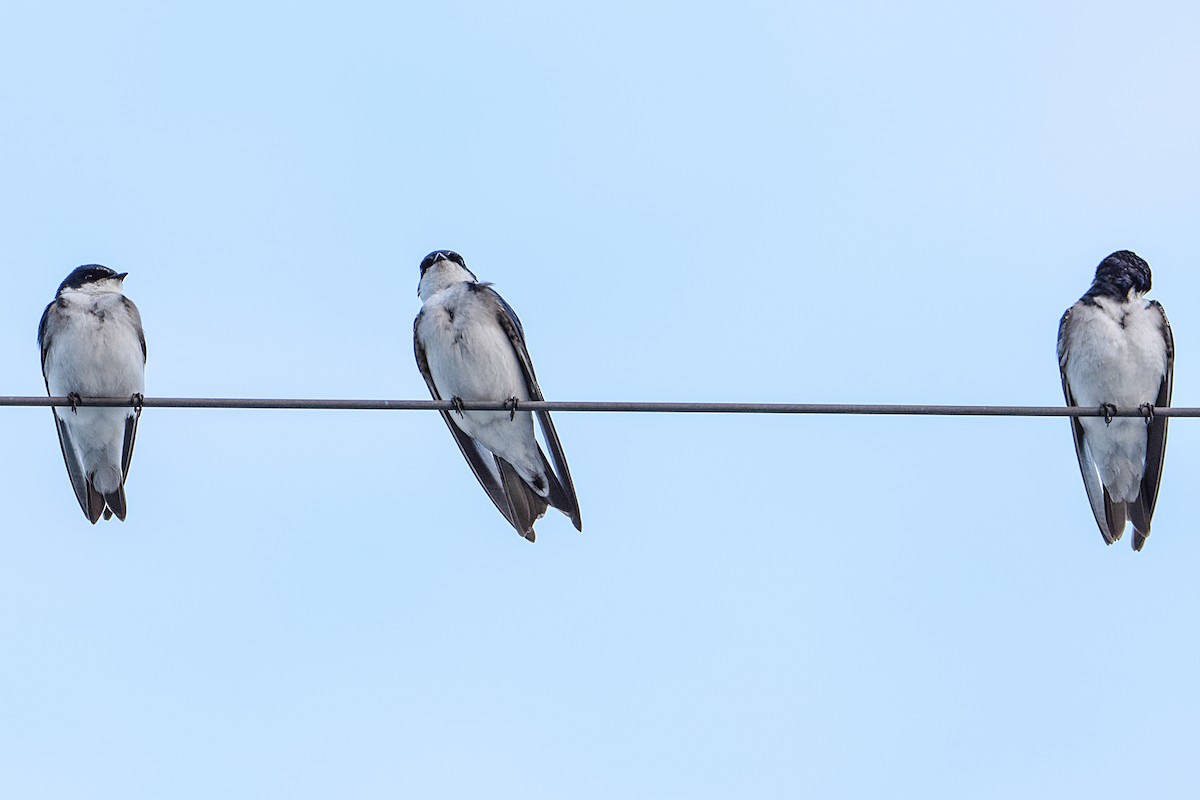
<point>470,346</point>
<point>1115,351</point>
<point>93,346</point>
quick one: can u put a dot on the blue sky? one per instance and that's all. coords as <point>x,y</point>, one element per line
<point>854,202</point>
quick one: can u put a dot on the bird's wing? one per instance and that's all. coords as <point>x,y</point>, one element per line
<point>136,319</point>
<point>1156,435</point>
<point>131,423</point>
<point>1101,508</point>
<point>561,496</point>
<point>117,502</point>
<point>485,465</point>
<point>91,501</point>
<point>43,341</point>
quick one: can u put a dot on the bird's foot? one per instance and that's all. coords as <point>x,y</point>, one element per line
<point>457,403</point>
<point>75,400</point>
<point>1147,410</point>
<point>511,405</point>
<point>138,399</point>
<point>1108,410</point>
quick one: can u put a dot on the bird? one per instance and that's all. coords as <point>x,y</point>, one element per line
<point>1116,351</point>
<point>470,346</point>
<point>93,345</point>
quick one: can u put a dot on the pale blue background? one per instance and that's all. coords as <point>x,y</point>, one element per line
<point>851,202</point>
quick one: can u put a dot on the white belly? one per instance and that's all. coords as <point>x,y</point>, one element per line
<point>471,357</point>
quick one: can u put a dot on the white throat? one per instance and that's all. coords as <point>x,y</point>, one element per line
<point>103,286</point>
<point>442,276</point>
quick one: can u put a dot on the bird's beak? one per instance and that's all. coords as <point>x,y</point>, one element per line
<point>120,276</point>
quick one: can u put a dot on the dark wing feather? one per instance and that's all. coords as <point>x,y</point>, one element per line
<point>1102,508</point>
<point>42,336</point>
<point>131,424</point>
<point>136,318</point>
<point>486,470</point>
<point>116,500</point>
<point>563,495</point>
<point>1156,437</point>
<point>91,501</point>
<point>483,463</point>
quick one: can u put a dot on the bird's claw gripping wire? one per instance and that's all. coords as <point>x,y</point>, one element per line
<point>457,403</point>
<point>1147,410</point>
<point>511,405</point>
<point>1108,410</point>
<point>138,399</point>
<point>75,399</point>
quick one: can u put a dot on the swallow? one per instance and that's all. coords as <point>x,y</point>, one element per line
<point>93,346</point>
<point>470,346</point>
<point>1116,351</point>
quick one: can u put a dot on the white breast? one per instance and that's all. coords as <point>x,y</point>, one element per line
<point>1117,354</point>
<point>471,357</point>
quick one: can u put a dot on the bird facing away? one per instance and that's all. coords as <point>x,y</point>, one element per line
<point>1115,351</point>
<point>470,346</point>
<point>93,346</point>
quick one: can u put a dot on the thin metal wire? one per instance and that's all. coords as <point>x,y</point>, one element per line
<point>600,406</point>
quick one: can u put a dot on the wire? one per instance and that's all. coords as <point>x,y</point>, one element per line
<point>601,406</point>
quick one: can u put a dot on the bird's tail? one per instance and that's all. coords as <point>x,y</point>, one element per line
<point>109,482</point>
<point>1140,516</point>
<point>525,505</point>
<point>1114,517</point>
<point>93,504</point>
<point>116,503</point>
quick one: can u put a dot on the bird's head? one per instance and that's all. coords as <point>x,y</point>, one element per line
<point>94,277</point>
<point>440,269</point>
<point>1120,273</point>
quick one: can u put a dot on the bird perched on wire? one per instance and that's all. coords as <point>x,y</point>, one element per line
<point>93,346</point>
<point>1116,351</point>
<point>470,346</point>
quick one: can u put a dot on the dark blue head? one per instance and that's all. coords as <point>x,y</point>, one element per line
<point>441,255</point>
<point>1120,272</point>
<point>88,273</point>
